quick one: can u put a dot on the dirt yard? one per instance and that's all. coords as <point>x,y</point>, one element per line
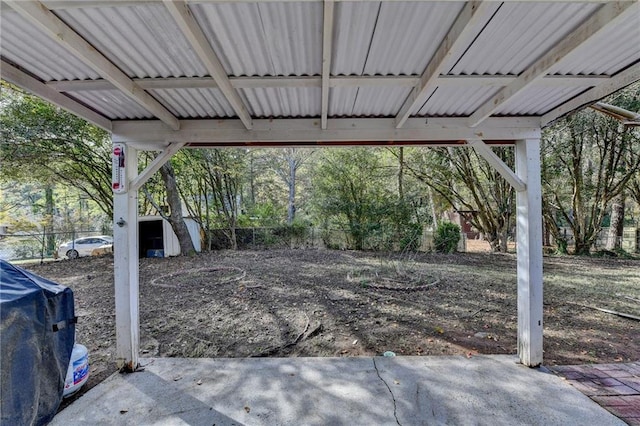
<point>288,303</point>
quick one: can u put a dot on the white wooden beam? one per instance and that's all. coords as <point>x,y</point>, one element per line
<point>496,162</point>
<point>339,81</point>
<point>75,4</point>
<point>327,42</point>
<point>457,36</point>
<point>155,165</point>
<point>615,83</point>
<point>197,39</point>
<point>15,76</point>
<point>340,130</point>
<point>607,16</point>
<point>125,266</point>
<point>54,27</point>
<point>529,253</point>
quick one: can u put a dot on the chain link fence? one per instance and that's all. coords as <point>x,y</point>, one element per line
<point>32,246</point>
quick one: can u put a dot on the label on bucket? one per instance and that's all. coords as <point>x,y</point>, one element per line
<point>80,369</point>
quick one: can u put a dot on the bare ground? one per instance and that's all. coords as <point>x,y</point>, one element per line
<point>338,303</point>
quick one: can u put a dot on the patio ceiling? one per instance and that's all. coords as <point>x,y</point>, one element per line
<point>264,72</point>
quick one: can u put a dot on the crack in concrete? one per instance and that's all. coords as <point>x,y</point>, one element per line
<point>395,408</point>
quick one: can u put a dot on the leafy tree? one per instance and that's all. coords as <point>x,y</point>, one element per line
<point>210,182</point>
<point>289,161</point>
<point>468,183</point>
<point>42,142</point>
<point>351,191</point>
<point>176,218</point>
<point>587,161</point>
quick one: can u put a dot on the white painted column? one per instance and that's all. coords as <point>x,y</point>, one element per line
<point>529,250</point>
<point>125,263</point>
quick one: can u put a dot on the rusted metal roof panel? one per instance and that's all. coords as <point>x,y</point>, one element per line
<point>282,102</point>
<point>518,34</point>
<point>264,38</point>
<point>143,41</point>
<point>25,45</point>
<point>112,103</point>
<point>194,103</point>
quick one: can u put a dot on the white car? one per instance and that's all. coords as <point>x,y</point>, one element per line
<point>83,246</point>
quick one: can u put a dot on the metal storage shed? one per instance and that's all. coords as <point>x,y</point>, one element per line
<point>157,239</point>
<point>163,75</point>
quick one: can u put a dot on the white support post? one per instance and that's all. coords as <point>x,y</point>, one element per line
<point>125,263</point>
<point>529,249</point>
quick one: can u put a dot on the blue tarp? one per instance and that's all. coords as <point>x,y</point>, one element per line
<point>37,331</point>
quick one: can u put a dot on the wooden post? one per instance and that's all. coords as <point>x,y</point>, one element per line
<point>125,262</point>
<point>529,249</point>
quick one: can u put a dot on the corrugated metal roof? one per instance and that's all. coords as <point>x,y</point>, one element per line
<point>406,36</point>
<point>518,34</point>
<point>607,53</point>
<point>113,103</point>
<point>264,38</point>
<point>22,43</point>
<point>283,102</point>
<point>353,25</point>
<point>279,39</point>
<point>538,100</point>
<point>379,101</point>
<point>455,101</point>
<point>366,101</point>
<point>143,41</point>
<point>194,103</point>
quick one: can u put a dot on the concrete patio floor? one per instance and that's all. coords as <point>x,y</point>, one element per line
<point>482,390</point>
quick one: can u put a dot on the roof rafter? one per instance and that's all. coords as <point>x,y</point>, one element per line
<point>338,81</point>
<point>193,33</point>
<point>57,30</point>
<point>14,76</point>
<point>457,35</point>
<point>327,44</point>
<point>615,83</point>
<point>608,15</point>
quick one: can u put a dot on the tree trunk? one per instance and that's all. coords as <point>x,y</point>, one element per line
<point>292,190</point>
<point>614,238</point>
<point>401,174</point>
<point>49,207</point>
<point>175,218</point>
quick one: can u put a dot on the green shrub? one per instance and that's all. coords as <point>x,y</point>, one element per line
<point>447,237</point>
<point>411,238</point>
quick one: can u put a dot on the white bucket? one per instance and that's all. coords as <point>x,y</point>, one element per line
<point>78,371</point>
